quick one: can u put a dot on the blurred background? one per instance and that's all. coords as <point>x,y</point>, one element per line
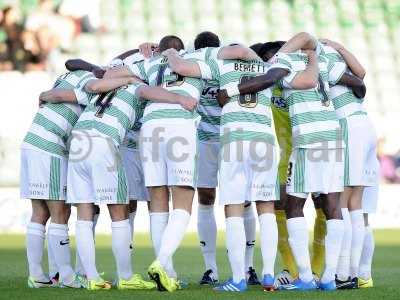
<point>37,36</point>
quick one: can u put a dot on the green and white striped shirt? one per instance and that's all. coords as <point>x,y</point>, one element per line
<point>344,101</point>
<point>131,140</point>
<point>121,114</point>
<point>244,117</point>
<point>208,108</point>
<point>53,123</point>
<point>156,72</point>
<point>313,124</point>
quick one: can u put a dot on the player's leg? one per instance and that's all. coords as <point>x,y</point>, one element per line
<point>358,229</point>
<point>235,240</point>
<point>296,222</point>
<point>268,241</point>
<point>206,225</point>
<point>298,236</point>
<point>85,241</point>
<point>249,220</point>
<point>234,191</point>
<point>365,269</point>
<point>289,264</point>
<point>79,269</point>
<point>334,236</point>
<point>318,246</point>
<point>58,240</point>
<point>81,179</point>
<point>207,230</point>
<point>35,236</point>
<point>182,198</point>
<point>159,216</point>
<point>343,280</point>
<point>121,239</point>
<point>369,205</point>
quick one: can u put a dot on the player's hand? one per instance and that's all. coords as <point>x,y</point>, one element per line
<point>170,51</point>
<point>222,97</point>
<point>335,45</point>
<point>188,103</point>
<point>98,72</point>
<point>147,49</point>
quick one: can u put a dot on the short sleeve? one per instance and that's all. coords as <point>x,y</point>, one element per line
<point>206,62</point>
<point>83,97</point>
<point>336,69</point>
<point>137,69</point>
<point>283,60</point>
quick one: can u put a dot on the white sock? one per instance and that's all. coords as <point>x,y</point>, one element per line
<point>298,241</point>
<point>249,221</point>
<point>343,269</point>
<point>236,245</point>
<point>86,249</point>
<point>207,230</point>
<point>269,242</point>
<point>158,223</point>
<point>358,228</point>
<point>35,234</point>
<point>121,241</point>
<point>51,260</point>
<point>132,216</point>
<point>173,235</point>
<point>78,264</point>
<point>59,244</point>
<point>333,244</point>
<point>367,254</point>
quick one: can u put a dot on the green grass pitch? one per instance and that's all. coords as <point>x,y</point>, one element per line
<point>188,262</point>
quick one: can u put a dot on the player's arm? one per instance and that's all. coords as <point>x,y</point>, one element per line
<point>302,40</point>
<point>127,54</point>
<point>303,80</point>
<point>97,86</point>
<point>354,83</point>
<point>58,95</point>
<point>308,78</point>
<point>351,61</point>
<point>182,66</point>
<point>118,72</point>
<point>161,95</point>
<point>237,52</point>
<point>80,64</point>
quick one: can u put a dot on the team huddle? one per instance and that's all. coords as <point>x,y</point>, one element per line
<point>271,124</point>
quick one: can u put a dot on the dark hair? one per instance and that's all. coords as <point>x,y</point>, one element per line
<point>269,49</point>
<point>256,47</point>
<point>171,41</point>
<point>206,39</point>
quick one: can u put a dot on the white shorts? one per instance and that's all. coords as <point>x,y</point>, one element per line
<point>208,165</point>
<point>134,174</point>
<point>250,174</point>
<point>42,176</point>
<point>169,153</point>
<point>95,172</point>
<point>315,171</point>
<point>370,199</point>
<point>361,162</point>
